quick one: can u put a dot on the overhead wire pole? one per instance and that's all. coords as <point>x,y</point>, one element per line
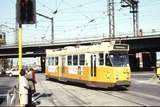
<point>135,18</point>
<point>111,18</point>
<point>133,4</point>
<point>52,25</point>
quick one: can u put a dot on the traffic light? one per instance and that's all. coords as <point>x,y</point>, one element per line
<point>26,11</point>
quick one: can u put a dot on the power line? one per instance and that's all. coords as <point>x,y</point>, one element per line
<point>80,5</point>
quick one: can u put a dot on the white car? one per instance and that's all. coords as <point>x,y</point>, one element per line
<point>12,72</point>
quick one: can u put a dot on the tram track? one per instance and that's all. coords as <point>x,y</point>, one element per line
<point>68,95</point>
<point>72,95</point>
<point>122,98</point>
<point>56,101</point>
<point>78,101</point>
<point>51,99</point>
<point>132,97</point>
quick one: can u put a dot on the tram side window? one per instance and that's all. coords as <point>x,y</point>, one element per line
<point>101,59</point>
<point>52,61</point>
<point>69,58</point>
<point>56,60</point>
<point>81,59</point>
<point>75,59</point>
<point>107,61</point>
<point>48,61</point>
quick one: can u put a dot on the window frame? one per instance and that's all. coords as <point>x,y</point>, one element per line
<point>81,59</point>
<point>75,60</point>
<point>69,60</point>
<point>56,60</point>
<point>101,59</point>
<point>108,59</point>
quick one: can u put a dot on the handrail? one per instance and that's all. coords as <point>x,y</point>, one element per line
<point>12,96</point>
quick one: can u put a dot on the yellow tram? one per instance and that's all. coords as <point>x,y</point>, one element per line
<point>101,65</point>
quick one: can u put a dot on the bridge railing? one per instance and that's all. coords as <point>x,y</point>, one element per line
<point>83,39</point>
<point>58,41</point>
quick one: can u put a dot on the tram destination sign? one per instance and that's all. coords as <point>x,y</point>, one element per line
<point>120,47</point>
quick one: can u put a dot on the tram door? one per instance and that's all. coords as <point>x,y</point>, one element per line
<point>93,72</point>
<point>62,68</point>
<point>63,65</point>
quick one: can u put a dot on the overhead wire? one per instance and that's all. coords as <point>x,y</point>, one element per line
<point>87,17</point>
<point>56,10</point>
<point>91,20</point>
<point>82,26</point>
<point>44,6</point>
<point>80,5</point>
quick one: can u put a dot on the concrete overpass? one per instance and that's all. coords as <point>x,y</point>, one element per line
<point>148,45</point>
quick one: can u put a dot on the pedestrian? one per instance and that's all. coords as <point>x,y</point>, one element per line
<point>32,82</point>
<point>23,88</point>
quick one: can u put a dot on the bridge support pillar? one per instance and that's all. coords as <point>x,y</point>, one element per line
<point>43,64</point>
<point>154,59</point>
<point>134,62</point>
<point>149,60</point>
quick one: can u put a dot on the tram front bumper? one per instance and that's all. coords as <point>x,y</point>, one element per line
<point>123,83</point>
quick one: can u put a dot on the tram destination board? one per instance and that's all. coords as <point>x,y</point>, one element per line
<point>120,47</point>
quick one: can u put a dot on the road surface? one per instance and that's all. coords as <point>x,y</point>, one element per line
<point>53,93</point>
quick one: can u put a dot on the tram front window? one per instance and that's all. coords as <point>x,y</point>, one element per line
<point>119,60</point>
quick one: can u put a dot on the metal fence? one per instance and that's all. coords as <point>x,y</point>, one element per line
<point>9,96</point>
<point>13,96</point>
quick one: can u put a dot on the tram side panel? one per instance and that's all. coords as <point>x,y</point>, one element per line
<point>75,72</point>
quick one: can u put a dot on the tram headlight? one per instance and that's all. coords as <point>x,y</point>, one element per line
<point>117,77</point>
<point>108,76</point>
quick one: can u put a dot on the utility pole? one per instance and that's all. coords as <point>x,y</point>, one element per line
<point>52,25</point>
<point>111,18</point>
<point>133,4</point>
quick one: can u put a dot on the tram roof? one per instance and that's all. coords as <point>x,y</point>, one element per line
<point>103,47</point>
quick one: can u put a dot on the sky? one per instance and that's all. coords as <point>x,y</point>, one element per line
<point>78,19</point>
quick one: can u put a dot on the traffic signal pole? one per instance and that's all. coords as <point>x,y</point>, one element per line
<point>19,29</point>
<point>25,14</point>
<point>20,47</point>
<point>20,53</point>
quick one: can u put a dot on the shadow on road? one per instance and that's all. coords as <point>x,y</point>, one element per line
<point>116,88</point>
<point>37,96</point>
